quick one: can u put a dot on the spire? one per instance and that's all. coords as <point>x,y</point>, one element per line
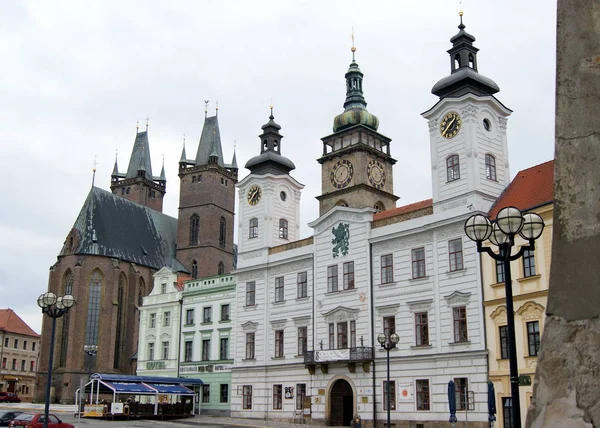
<point>94,170</point>
<point>140,156</point>
<point>270,159</point>
<point>116,167</point>
<point>464,77</point>
<point>210,142</point>
<point>355,106</point>
<point>183,155</point>
<point>163,176</point>
<point>234,160</point>
<point>205,109</point>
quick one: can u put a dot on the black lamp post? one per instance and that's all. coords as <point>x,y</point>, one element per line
<point>54,307</point>
<point>509,222</point>
<point>387,342</point>
<point>90,351</point>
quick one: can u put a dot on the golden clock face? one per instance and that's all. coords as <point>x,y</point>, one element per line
<point>254,194</point>
<point>450,125</point>
<point>376,174</point>
<point>341,173</point>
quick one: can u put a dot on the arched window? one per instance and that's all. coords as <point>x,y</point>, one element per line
<point>453,168</point>
<point>92,324</point>
<point>194,229</point>
<point>253,232</point>
<point>490,167</point>
<point>120,328</point>
<point>221,268</point>
<point>341,203</point>
<point>222,231</point>
<point>379,206</point>
<point>194,269</point>
<point>471,61</point>
<point>67,288</point>
<point>141,292</point>
<point>283,228</point>
<point>457,61</point>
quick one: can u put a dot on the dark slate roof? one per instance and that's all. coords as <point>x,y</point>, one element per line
<point>114,227</point>
<point>140,156</point>
<point>210,142</point>
<point>462,81</point>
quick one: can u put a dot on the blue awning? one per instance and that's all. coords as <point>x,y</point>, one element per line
<point>129,387</point>
<point>166,388</point>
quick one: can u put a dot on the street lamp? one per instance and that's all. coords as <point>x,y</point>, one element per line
<point>387,342</point>
<point>90,351</point>
<point>509,222</point>
<point>54,307</point>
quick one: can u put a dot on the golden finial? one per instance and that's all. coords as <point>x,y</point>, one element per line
<point>205,108</point>
<point>460,11</point>
<point>353,48</point>
<point>94,170</point>
<point>271,107</point>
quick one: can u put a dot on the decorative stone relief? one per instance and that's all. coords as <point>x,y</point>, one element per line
<point>269,186</point>
<point>151,337</point>
<point>502,124</point>
<point>499,315</point>
<point>290,267</point>
<point>341,238</point>
<point>341,314</point>
<point>531,311</point>
<point>420,305</point>
<point>242,277</point>
<point>502,365</point>
<point>165,336</point>
<point>387,310</point>
<point>458,298</point>
<point>469,111</point>
<point>433,126</point>
<point>301,321</point>
<point>454,204</point>
<point>278,323</point>
<point>409,241</point>
<point>250,326</point>
<point>530,364</point>
<point>451,230</point>
<point>340,216</point>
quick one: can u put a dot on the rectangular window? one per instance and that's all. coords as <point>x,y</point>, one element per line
<point>389,388</point>
<point>528,263</point>
<point>163,288</point>
<point>279,343</point>
<point>302,285</point>
<point>507,412</point>
<point>16,343</point>
<point>300,394</point>
<point>421,329</point>
<point>499,271</point>
<point>224,349</point>
<point>332,278</point>
<point>418,263</point>
<point>24,344</point>
<point>533,338</point>
<point>224,395</point>
<point>23,362</point>
<point>490,164</point>
<point>453,168</point>
<point>253,231</point>
<point>14,364</point>
<point>279,289</point>
<point>302,340</point>
<point>455,254</point>
<point>189,316</point>
<point>277,397</point>
<point>4,363</point>
<point>460,324</point>
<point>331,336</point>
<point>207,314</point>
<point>348,275</point>
<point>342,335</point>
<point>32,366</point>
<point>461,388</point>
<point>150,351</point>
<point>503,335</point>
<point>387,269</point>
<point>188,352</point>
<point>165,350</point>
<point>389,325</point>
<point>152,320</point>
<point>247,397</point>
<point>353,334</point>
<point>249,346</point>
<point>250,293</point>
<point>206,350</point>
<point>224,312</point>
<point>423,400</point>
<point>206,393</point>
<point>167,319</point>
<point>33,346</point>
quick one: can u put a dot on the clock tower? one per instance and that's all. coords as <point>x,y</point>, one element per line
<point>356,165</point>
<point>467,126</point>
<point>269,198</point>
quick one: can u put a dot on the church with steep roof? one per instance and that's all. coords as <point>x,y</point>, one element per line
<point>120,240</point>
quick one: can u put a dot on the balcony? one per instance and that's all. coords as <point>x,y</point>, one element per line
<point>351,356</point>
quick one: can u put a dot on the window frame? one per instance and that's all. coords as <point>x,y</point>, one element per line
<point>460,384</point>
<point>224,393</point>
<point>392,391</point>
<point>332,278</point>
<point>253,228</point>
<point>533,338</point>
<point>194,229</point>
<point>455,255</point>
<point>152,320</point>
<point>500,274</point>
<point>165,350</point>
<point>150,348</point>
<point>387,268</point>
<point>300,394</point>
<point>278,396</point>
<point>460,325</point>
<point>251,293</point>
<point>206,393</point>
<point>279,289</point>
<point>250,345</point>
<point>490,167</point>
<point>207,314</point>
<point>529,264</point>
<point>188,351</point>
<point>452,168</point>
<point>222,232</point>
<point>503,342</point>
<point>189,316</point>
<point>247,397</point>
<point>283,229</point>
<point>423,395</point>
<point>205,349</point>
<point>302,284</point>
<point>166,318</point>
<point>348,275</point>
<point>422,328</point>
<point>302,340</point>
<point>279,343</point>
<point>225,312</point>
<point>224,348</point>
<point>419,268</point>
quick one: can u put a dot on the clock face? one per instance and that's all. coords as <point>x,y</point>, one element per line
<point>341,173</point>
<point>254,194</point>
<point>450,125</point>
<point>376,174</point>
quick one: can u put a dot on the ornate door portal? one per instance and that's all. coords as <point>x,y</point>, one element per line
<point>342,403</point>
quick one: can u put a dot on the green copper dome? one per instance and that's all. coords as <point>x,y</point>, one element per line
<point>355,106</point>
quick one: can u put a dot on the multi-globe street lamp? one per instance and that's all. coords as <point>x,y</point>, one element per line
<point>90,351</point>
<point>509,222</point>
<point>55,307</point>
<point>388,341</point>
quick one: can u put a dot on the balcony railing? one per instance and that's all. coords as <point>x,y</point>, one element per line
<point>361,354</point>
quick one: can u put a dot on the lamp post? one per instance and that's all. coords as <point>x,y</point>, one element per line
<point>90,351</point>
<point>387,342</point>
<point>509,222</point>
<point>55,307</point>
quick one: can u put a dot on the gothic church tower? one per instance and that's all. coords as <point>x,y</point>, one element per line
<point>206,206</point>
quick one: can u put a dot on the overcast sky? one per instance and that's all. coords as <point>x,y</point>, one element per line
<point>76,75</point>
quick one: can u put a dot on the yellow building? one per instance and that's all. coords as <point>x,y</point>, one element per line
<point>530,191</point>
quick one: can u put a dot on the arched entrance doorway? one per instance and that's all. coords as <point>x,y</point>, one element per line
<point>341,403</point>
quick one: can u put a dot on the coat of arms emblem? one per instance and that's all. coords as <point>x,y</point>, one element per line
<point>341,235</point>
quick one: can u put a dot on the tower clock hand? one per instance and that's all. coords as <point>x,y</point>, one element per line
<point>449,124</point>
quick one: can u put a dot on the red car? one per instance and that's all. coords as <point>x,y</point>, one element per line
<point>9,397</point>
<point>36,420</point>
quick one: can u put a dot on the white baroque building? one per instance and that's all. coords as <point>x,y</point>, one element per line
<point>309,311</point>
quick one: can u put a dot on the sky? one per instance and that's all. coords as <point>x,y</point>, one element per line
<point>76,76</point>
